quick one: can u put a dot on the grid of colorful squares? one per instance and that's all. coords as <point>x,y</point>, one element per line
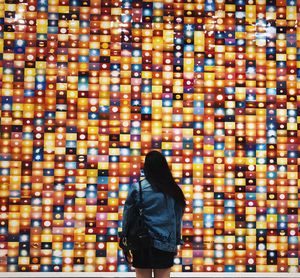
<point>89,86</point>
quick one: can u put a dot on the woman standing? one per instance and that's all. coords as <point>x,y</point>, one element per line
<point>163,207</point>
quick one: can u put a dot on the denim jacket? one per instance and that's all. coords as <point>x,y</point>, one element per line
<point>163,216</point>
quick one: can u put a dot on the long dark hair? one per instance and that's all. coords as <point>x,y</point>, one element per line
<point>157,172</point>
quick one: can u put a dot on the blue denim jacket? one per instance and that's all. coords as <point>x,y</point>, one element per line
<point>163,216</point>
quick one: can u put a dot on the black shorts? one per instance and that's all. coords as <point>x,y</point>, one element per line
<point>152,258</point>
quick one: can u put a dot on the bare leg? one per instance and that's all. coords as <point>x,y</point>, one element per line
<point>143,272</point>
<point>162,273</point>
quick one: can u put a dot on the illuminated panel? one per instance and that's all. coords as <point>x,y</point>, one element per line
<point>89,87</point>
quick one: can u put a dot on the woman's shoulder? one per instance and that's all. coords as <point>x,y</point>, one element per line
<point>144,184</point>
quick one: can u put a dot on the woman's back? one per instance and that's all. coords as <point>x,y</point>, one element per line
<point>160,213</point>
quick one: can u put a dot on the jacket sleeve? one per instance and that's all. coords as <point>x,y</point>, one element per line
<point>130,201</point>
<point>178,216</point>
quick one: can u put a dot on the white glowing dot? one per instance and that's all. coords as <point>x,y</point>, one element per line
<point>68,260</point>
<point>251,167</point>
<point>292,233</point>
<point>47,223</point>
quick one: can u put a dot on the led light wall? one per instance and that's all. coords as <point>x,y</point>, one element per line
<point>88,87</point>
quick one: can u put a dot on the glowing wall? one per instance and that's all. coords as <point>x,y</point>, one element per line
<point>89,86</point>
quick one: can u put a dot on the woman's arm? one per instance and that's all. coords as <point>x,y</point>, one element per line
<point>178,217</point>
<point>130,201</point>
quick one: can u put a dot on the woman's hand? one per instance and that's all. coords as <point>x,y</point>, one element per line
<point>129,257</point>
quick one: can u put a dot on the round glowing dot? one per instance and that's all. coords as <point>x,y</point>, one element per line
<point>251,167</point>
<point>30,57</point>
<point>240,196</point>
<point>261,246</point>
<point>47,223</point>
<point>68,260</point>
<point>292,232</point>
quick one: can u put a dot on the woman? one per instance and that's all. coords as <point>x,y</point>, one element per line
<point>164,204</point>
